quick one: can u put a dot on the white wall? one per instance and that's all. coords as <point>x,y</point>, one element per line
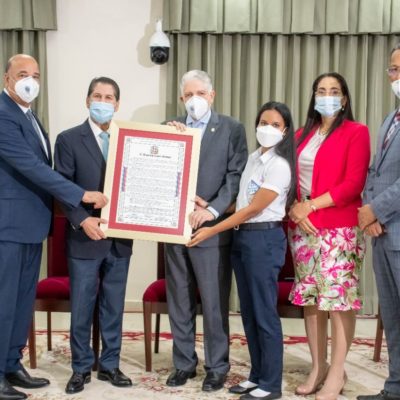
<point>109,38</point>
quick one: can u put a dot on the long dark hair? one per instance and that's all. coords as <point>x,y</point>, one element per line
<point>314,117</point>
<point>285,148</point>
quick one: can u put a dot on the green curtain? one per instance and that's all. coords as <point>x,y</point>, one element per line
<point>282,16</point>
<point>23,26</point>
<point>248,70</point>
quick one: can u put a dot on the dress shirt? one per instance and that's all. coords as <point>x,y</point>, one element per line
<point>201,123</point>
<point>96,132</point>
<point>269,171</point>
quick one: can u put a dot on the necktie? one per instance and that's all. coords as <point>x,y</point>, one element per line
<point>392,129</point>
<point>29,115</point>
<point>105,141</point>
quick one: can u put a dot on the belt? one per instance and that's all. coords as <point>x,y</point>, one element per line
<point>256,226</point>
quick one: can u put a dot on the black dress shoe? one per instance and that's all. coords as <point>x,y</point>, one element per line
<point>383,395</point>
<point>115,376</point>
<point>179,377</point>
<point>22,379</point>
<point>213,381</point>
<point>7,392</point>
<point>237,389</point>
<point>77,382</point>
<point>270,396</point>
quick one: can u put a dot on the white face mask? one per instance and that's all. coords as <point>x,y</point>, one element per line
<point>27,89</point>
<point>197,107</point>
<point>396,88</point>
<point>268,136</point>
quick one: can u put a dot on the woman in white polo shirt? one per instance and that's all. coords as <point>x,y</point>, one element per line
<point>259,247</point>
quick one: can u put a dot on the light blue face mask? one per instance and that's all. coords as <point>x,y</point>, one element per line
<point>328,106</point>
<point>101,112</point>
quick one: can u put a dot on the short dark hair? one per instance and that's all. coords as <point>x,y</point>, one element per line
<point>106,81</point>
<point>286,147</point>
<point>314,117</point>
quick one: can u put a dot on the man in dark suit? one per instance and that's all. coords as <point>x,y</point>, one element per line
<point>27,185</point>
<point>223,155</point>
<point>380,218</point>
<point>97,265</point>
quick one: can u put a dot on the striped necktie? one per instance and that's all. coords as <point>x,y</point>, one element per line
<point>105,141</point>
<point>392,129</point>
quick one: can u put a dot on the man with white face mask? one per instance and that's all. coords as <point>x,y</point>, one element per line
<point>98,266</point>
<point>380,218</point>
<point>223,155</point>
<point>27,186</point>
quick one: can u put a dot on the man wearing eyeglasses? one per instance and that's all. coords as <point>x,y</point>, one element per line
<point>380,218</point>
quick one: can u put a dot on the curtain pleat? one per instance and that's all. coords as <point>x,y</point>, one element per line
<point>249,70</point>
<point>315,17</point>
<point>28,14</point>
<point>32,42</point>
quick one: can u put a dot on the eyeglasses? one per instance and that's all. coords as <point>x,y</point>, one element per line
<point>393,71</point>
<point>333,92</point>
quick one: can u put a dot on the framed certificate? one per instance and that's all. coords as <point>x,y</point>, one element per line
<point>150,181</point>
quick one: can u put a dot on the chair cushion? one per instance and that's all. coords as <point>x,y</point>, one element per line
<point>284,288</point>
<point>56,287</point>
<point>156,292</point>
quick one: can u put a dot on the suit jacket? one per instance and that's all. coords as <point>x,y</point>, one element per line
<point>78,157</point>
<point>340,168</point>
<point>223,156</point>
<point>27,182</point>
<point>382,190</point>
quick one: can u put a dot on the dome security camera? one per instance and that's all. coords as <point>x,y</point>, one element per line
<point>159,45</point>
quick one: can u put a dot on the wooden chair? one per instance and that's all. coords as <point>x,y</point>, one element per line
<point>378,337</point>
<point>155,302</point>
<point>285,282</point>
<point>53,292</point>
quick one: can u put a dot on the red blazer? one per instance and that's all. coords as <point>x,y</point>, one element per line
<point>340,168</point>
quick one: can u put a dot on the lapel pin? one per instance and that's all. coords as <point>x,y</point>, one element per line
<point>212,129</point>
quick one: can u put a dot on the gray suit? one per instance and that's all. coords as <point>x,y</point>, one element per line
<point>223,156</point>
<point>382,192</point>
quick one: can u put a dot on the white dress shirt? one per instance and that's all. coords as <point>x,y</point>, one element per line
<point>268,171</point>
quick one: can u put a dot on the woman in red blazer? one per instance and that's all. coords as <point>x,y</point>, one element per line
<point>328,248</point>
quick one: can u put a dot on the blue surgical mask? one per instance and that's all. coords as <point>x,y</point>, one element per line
<point>101,112</point>
<point>328,106</point>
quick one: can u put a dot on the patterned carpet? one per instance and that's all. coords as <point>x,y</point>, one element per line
<point>365,376</point>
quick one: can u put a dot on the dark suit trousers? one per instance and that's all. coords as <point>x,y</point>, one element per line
<point>387,273</point>
<point>19,272</point>
<point>257,258</point>
<point>209,270</point>
<point>107,276</point>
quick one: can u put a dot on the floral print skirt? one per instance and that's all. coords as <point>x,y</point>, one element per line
<point>327,268</point>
